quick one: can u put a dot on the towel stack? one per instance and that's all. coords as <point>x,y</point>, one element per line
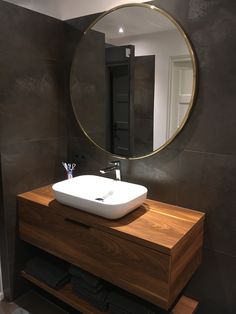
<point>45,271</point>
<point>124,303</point>
<point>89,288</point>
<point>19,310</point>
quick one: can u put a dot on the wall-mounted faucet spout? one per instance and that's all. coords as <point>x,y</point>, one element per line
<point>115,167</point>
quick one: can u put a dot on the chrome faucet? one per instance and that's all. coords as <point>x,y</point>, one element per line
<point>115,166</point>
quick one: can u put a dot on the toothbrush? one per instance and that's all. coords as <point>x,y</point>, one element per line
<point>69,169</point>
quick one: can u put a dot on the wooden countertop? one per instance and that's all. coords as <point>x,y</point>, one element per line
<point>156,225</point>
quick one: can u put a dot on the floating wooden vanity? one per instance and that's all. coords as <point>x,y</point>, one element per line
<point>152,252</point>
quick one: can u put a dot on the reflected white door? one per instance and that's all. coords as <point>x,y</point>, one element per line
<point>181,85</point>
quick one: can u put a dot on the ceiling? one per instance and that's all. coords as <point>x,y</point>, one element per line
<point>68,9</point>
<point>134,21</point>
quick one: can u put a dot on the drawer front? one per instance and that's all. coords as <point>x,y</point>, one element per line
<point>138,269</point>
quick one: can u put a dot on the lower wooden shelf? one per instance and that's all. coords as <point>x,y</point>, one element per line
<point>66,295</point>
<point>185,305</point>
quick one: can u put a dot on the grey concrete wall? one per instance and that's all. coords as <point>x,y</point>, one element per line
<point>33,116</point>
<point>198,170</point>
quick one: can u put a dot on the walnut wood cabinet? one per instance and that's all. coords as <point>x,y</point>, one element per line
<point>152,252</point>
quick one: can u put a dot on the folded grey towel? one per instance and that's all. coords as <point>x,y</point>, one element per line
<point>78,282</point>
<point>20,311</point>
<point>122,302</point>
<point>99,301</point>
<point>42,269</point>
<point>90,279</point>
<point>116,310</point>
<point>100,296</point>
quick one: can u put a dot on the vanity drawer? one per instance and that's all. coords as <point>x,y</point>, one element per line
<point>136,268</point>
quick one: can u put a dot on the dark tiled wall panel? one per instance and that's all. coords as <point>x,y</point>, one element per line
<point>198,169</point>
<point>33,115</point>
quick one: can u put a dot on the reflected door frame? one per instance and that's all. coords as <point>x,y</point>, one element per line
<point>174,63</point>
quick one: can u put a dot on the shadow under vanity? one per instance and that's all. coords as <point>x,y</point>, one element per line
<point>151,253</point>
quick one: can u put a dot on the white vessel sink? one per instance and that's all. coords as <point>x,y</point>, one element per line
<point>101,196</point>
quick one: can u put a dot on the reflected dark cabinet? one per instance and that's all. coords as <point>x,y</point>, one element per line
<point>144,85</point>
<point>120,92</point>
<point>130,100</point>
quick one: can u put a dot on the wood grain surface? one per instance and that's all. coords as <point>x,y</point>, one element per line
<point>152,252</point>
<point>157,225</point>
<point>65,294</point>
<point>185,305</point>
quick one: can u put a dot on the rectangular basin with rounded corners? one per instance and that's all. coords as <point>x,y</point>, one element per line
<point>101,196</point>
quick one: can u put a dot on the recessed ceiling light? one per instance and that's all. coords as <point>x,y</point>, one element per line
<point>121,30</point>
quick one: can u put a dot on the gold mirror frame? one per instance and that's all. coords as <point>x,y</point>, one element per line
<point>194,65</point>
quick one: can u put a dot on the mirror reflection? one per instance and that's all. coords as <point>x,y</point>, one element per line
<point>133,81</point>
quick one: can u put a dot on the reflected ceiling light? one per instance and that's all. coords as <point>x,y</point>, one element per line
<point>121,30</point>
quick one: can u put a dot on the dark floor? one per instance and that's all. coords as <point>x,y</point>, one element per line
<point>32,302</point>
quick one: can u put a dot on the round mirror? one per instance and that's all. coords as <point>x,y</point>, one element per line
<point>133,80</point>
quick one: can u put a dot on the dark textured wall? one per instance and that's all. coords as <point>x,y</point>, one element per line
<point>89,88</point>
<point>198,170</point>
<point>33,128</point>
